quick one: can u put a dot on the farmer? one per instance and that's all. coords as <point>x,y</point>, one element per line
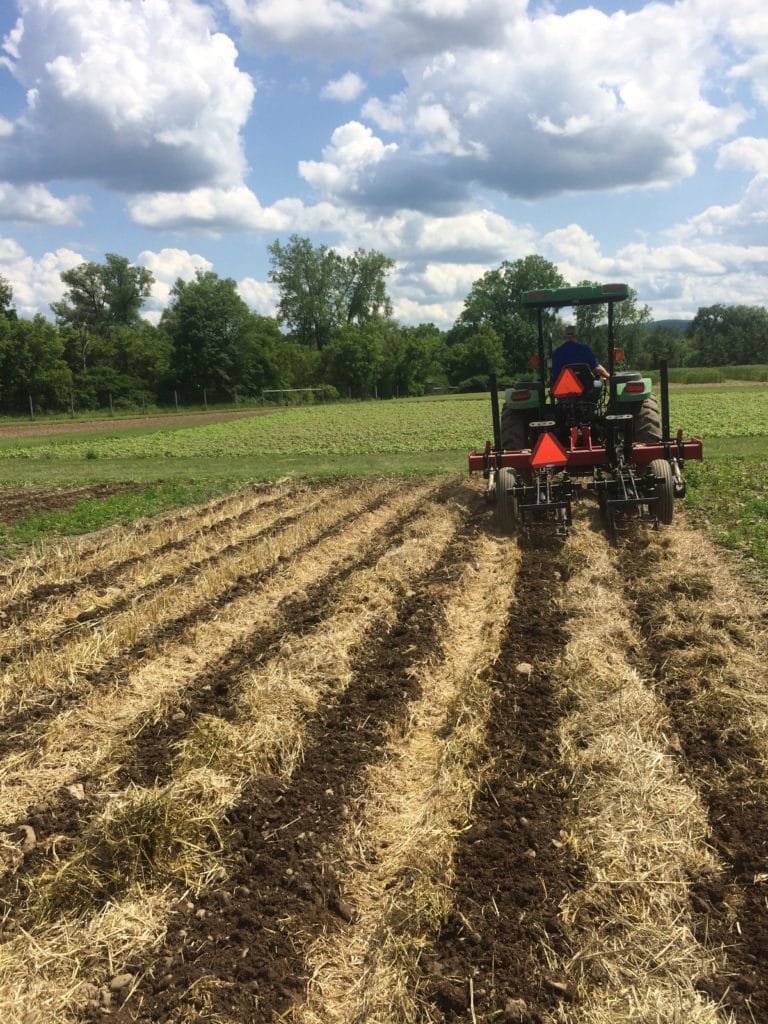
<point>572,351</point>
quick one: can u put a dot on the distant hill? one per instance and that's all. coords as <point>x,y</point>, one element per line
<point>674,325</point>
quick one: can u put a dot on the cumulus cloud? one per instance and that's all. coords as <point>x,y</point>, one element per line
<point>741,223</point>
<point>416,239</point>
<point>353,149</point>
<point>389,31</point>
<point>261,296</point>
<point>139,96</point>
<point>36,283</point>
<point>547,104</point>
<point>208,209</point>
<point>345,89</point>
<point>35,204</point>
<point>167,266</point>
<point>745,153</point>
<point>745,25</point>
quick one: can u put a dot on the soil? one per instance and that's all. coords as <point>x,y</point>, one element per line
<point>185,419</point>
<point>511,871</point>
<point>235,949</point>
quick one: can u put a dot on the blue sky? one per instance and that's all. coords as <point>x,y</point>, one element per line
<point>620,141</point>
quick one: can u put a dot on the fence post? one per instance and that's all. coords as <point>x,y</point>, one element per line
<point>205,400</point>
<point>176,399</point>
<point>31,408</point>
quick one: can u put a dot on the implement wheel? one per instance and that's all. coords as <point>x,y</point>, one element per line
<point>665,490</point>
<point>506,502</point>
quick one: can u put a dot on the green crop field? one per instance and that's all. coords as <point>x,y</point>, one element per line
<point>728,492</point>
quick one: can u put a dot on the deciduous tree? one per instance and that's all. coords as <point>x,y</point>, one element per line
<point>33,369</point>
<point>730,334</point>
<point>322,291</point>
<point>218,343</point>
<point>99,297</point>
<point>495,300</point>
<point>6,296</point>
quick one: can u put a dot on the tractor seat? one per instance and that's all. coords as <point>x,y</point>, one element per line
<point>624,376</point>
<point>527,385</point>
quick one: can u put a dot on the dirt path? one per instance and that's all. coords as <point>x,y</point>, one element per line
<point>345,753</point>
<point>42,429</point>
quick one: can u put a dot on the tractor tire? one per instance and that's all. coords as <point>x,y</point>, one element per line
<point>646,420</point>
<point>506,503</point>
<point>665,490</point>
<point>514,428</point>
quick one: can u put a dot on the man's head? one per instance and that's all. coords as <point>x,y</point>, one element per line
<point>570,333</point>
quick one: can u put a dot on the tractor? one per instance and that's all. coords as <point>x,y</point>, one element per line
<point>551,434</point>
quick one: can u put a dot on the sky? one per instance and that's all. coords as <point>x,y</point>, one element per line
<point>622,142</point>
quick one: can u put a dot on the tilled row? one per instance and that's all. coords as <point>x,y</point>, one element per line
<point>64,619</point>
<point>51,680</point>
<point>410,772</point>
<point>394,856</point>
<point>704,644</point>
<point>512,866</point>
<point>65,568</point>
<point>296,615</point>
<point>131,692</point>
<point>115,563</point>
<point>149,757</point>
<point>639,824</point>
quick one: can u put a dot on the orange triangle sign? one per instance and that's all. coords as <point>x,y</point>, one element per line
<point>567,384</point>
<point>548,452</point>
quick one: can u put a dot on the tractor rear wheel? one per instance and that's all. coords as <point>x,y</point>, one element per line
<point>506,502</point>
<point>665,490</point>
<point>646,421</point>
<point>514,428</point>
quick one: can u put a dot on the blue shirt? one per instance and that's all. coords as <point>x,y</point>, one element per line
<point>572,352</point>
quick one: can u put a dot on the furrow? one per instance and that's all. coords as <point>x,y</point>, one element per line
<point>148,760</point>
<point>62,562</point>
<point>354,723</point>
<point>215,692</point>
<point>83,591</point>
<point>496,952</point>
<point>174,564</point>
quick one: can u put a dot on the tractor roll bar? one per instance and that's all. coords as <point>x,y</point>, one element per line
<point>664,387</point>
<point>495,418</point>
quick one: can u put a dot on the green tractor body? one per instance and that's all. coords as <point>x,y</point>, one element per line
<point>551,433</point>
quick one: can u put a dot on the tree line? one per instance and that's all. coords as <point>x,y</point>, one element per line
<point>333,331</point>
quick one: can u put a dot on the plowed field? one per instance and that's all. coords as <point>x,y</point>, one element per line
<point>344,753</point>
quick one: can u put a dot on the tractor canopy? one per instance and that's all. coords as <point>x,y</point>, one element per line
<point>579,295</point>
